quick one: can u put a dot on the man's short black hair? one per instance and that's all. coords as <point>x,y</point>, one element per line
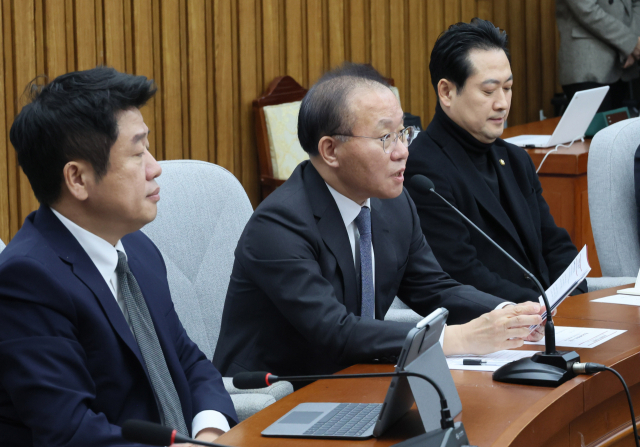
<point>324,110</point>
<point>450,54</point>
<point>73,118</point>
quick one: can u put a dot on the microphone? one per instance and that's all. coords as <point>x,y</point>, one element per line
<point>452,433</point>
<point>549,368</point>
<point>150,433</point>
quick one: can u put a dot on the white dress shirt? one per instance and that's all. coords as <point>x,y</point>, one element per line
<point>105,258</point>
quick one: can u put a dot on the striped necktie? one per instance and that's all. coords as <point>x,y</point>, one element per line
<point>145,333</point>
<point>363,222</point>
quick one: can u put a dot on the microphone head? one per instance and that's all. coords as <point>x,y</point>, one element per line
<point>149,433</point>
<point>252,380</point>
<point>422,184</point>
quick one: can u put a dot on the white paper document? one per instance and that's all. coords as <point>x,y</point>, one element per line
<point>580,337</point>
<point>629,300</point>
<point>569,280</point>
<point>493,361</point>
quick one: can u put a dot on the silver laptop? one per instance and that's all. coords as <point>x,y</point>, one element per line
<point>572,125</point>
<point>421,353</point>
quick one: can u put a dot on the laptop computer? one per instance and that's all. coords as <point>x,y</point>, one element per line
<point>421,353</point>
<point>572,125</point>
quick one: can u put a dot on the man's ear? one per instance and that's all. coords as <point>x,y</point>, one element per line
<point>446,90</point>
<point>78,175</point>
<point>327,151</point>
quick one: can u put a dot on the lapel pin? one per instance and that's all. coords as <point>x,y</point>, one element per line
<point>502,162</point>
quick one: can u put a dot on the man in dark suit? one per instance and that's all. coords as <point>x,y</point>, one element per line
<point>323,257</point>
<point>89,337</point>
<point>492,182</point>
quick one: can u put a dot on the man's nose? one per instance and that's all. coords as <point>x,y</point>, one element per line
<point>153,168</point>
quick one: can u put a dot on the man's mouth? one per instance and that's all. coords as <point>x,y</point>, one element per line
<point>155,192</point>
<point>399,174</point>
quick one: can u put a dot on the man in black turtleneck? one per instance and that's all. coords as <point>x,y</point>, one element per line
<point>492,182</point>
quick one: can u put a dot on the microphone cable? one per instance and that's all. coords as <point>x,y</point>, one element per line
<point>590,368</point>
<point>555,150</point>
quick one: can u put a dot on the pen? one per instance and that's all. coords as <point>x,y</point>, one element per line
<point>470,362</point>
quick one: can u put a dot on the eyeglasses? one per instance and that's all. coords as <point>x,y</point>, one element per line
<point>406,136</point>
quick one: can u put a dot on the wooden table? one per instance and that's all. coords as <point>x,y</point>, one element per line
<point>564,181</point>
<point>586,411</point>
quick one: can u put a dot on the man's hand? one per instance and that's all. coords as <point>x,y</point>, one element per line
<point>504,328</point>
<point>630,61</point>
<point>636,51</point>
<point>206,434</point>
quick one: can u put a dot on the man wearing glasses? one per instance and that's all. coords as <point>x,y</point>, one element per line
<point>323,257</point>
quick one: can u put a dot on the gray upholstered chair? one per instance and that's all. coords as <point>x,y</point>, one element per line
<point>612,204</point>
<point>201,214</point>
<point>401,312</point>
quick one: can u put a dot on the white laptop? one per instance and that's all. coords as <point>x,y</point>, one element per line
<point>572,125</point>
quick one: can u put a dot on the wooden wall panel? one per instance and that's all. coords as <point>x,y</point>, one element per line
<point>211,58</point>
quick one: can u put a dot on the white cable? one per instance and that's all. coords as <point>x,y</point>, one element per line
<point>554,150</point>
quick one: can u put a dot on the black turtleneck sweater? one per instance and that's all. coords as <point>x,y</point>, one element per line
<point>477,151</point>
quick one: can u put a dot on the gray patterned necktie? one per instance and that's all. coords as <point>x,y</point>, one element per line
<point>363,222</point>
<point>145,333</point>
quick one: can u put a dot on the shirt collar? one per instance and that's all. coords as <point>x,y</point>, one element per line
<point>349,209</point>
<point>102,253</point>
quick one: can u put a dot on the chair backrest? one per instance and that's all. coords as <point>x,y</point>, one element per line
<point>201,214</point>
<point>612,203</point>
<point>283,125</point>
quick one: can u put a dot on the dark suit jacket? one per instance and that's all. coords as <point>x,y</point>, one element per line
<point>71,371</point>
<point>293,303</point>
<point>525,228</point>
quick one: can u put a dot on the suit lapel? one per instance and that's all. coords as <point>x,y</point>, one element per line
<point>521,215</point>
<point>385,259</point>
<point>627,6</point>
<point>333,233</point>
<point>481,192</point>
<point>71,252</point>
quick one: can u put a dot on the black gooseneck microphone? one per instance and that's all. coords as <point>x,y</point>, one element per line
<point>452,434</point>
<point>549,368</point>
<point>150,433</point>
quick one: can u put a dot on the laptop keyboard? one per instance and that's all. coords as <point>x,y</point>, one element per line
<point>346,420</point>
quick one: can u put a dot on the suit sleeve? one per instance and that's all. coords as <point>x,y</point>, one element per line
<point>603,25</point>
<point>557,249</point>
<point>425,286</point>
<point>450,238</point>
<point>38,339</point>
<point>205,382</point>
<point>284,265</point>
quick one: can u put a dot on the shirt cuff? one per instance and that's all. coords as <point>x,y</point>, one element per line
<point>505,304</point>
<point>209,419</point>
<point>441,340</point>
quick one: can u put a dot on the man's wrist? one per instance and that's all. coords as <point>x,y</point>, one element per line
<point>209,434</point>
<point>453,341</point>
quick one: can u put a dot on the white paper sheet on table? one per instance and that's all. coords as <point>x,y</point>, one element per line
<point>629,300</point>
<point>494,361</point>
<point>569,280</point>
<point>580,337</point>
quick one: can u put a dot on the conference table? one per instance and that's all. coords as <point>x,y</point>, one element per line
<point>564,182</point>
<point>585,411</point>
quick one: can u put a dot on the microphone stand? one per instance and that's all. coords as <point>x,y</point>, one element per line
<point>548,368</point>
<point>451,434</point>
